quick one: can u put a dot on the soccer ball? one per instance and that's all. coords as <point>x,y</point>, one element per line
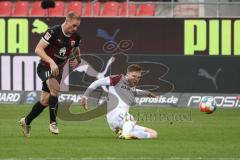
<point>208,105</point>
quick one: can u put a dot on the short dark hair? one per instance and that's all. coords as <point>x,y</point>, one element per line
<point>134,68</point>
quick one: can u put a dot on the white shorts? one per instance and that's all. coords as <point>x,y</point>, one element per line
<point>117,117</point>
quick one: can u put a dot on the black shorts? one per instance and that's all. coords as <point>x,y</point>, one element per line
<point>44,73</point>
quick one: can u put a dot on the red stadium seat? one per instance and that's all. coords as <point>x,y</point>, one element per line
<point>21,8</point>
<point>88,9</point>
<point>6,8</point>
<point>58,11</point>
<point>110,9</point>
<point>131,9</point>
<point>75,6</point>
<point>37,9</point>
<point>147,10</point>
<point>186,10</point>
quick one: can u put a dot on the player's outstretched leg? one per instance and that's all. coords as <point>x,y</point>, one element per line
<point>132,131</point>
<point>26,121</point>
<point>25,128</point>
<point>126,130</point>
<point>143,132</point>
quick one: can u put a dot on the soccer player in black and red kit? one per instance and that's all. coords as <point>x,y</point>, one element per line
<point>54,49</point>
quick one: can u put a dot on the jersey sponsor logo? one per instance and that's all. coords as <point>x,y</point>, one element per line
<point>47,36</point>
<point>62,51</point>
<point>58,56</point>
<point>125,87</point>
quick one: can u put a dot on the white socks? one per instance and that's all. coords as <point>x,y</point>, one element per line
<point>130,129</point>
<point>140,134</point>
<point>127,127</point>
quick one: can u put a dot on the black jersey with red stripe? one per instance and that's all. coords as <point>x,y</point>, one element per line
<point>60,45</point>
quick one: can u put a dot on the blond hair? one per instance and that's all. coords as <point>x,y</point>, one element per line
<point>72,15</point>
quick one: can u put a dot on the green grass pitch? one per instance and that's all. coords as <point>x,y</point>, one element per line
<point>184,133</point>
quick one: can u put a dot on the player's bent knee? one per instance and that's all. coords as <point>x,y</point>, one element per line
<point>44,98</point>
<point>44,102</point>
<point>53,86</point>
<point>54,93</point>
<point>54,90</point>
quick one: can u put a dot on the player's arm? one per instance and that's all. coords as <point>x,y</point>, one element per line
<point>42,54</point>
<point>77,54</point>
<point>39,50</point>
<point>144,93</point>
<point>100,82</point>
<point>48,38</point>
<point>76,60</point>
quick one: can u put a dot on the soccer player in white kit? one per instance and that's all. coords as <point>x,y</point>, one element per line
<point>121,95</point>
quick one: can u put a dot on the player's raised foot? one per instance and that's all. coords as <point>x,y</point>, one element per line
<point>53,128</point>
<point>25,128</point>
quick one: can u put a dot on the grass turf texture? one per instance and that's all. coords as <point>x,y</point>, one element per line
<point>183,133</point>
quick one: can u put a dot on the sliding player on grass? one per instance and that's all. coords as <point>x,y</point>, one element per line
<point>121,95</point>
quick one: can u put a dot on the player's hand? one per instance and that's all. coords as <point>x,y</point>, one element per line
<point>54,69</point>
<point>73,63</point>
<point>151,95</point>
<point>84,102</point>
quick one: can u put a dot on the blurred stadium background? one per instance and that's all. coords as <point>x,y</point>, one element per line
<point>189,49</point>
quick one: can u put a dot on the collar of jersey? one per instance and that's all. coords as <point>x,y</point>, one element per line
<point>64,32</point>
